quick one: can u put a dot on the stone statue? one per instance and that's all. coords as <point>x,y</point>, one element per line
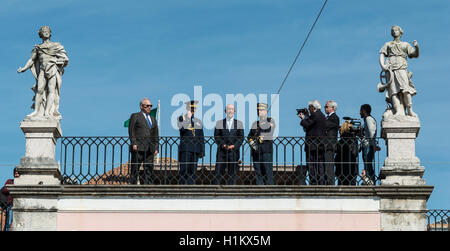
<point>398,85</point>
<point>47,64</point>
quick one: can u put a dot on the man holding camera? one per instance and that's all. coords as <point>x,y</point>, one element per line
<point>314,126</point>
<point>331,133</point>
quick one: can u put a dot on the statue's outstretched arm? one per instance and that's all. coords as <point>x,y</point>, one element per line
<point>29,63</point>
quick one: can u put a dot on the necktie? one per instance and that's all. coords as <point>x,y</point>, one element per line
<point>148,121</point>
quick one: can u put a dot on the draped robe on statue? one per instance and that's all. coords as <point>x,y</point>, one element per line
<point>397,53</point>
<point>47,62</point>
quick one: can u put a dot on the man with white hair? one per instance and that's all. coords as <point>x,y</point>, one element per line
<point>314,126</point>
<point>331,133</point>
<point>144,137</point>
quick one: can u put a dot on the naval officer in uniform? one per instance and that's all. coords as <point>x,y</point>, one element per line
<point>261,141</point>
<point>192,144</point>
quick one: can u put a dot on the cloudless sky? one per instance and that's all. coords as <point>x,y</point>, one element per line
<point>121,51</point>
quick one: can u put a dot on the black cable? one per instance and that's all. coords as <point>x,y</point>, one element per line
<point>296,58</point>
<point>299,52</point>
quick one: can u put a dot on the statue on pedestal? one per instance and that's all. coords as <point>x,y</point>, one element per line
<point>398,85</point>
<point>47,64</point>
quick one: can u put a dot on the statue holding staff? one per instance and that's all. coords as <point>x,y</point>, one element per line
<point>47,64</point>
<point>399,87</point>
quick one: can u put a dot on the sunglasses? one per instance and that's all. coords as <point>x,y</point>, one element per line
<point>146,106</point>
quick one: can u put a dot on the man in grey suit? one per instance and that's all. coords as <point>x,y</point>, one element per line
<point>144,137</point>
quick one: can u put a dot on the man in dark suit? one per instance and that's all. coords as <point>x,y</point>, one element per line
<point>192,144</point>
<point>144,137</point>
<point>229,135</point>
<point>260,139</point>
<point>314,126</point>
<point>331,133</point>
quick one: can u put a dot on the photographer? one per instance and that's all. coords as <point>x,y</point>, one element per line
<point>314,126</point>
<point>368,141</point>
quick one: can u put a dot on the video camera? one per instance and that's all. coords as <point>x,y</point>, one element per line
<point>303,110</point>
<point>356,127</point>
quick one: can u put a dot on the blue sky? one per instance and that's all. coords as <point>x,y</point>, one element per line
<point>121,51</point>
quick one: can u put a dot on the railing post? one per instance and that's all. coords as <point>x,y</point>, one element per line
<point>33,208</point>
<point>402,168</point>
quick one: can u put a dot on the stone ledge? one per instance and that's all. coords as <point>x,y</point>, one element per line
<point>36,210</point>
<point>42,126</point>
<point>216,191</point>
<point>403,211</point>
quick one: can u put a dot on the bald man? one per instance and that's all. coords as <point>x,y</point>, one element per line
<point>229,135</point>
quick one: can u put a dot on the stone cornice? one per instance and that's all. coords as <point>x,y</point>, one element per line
<point>222,191</point>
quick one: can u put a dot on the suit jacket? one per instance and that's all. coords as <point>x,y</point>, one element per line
<point>146,139</point>
<point>314,126</point>
<point>192,138</point>
<point>223,136</point>
<point>331,131</point>
<point>332,126</point>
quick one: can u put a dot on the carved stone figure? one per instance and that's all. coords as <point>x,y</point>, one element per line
<point>47,64</point>
<point>398,85</point>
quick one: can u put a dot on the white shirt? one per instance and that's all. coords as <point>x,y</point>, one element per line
<point>370,131</point>
<point>230,123</point>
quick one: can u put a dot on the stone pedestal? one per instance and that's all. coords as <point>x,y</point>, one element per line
<point>37,168</point>
<point>402,168</point>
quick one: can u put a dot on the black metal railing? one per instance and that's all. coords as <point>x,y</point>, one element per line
<point>5,216</point>
<point>438,220</point>
<point>294,161</point>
